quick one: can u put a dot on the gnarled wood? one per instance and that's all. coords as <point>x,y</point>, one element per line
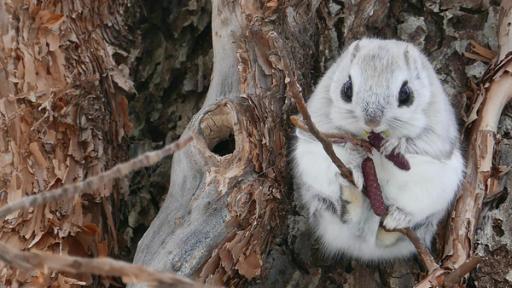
<point>63,115</point>
<point>227,187</point>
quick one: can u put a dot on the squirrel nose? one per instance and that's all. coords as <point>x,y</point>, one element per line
<point>372,122</point>
<point>373,115</point>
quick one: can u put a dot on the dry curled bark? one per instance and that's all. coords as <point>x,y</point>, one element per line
<point>495,89</point>
<point>36,261</point>
<point>63,114</point>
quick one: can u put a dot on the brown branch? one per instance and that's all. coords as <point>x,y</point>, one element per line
<point>326,144</point>
<point>101,266</point>
<point>335,138</point>
<point>130,273</point>
<point>423,252</point>
<point>120,170</point>
<point>443,277</point>
<point>434,279</point>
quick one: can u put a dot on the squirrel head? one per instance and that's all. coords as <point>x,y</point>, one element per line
<point>382,86</point>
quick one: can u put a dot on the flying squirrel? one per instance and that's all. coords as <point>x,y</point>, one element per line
<point>387,87</point>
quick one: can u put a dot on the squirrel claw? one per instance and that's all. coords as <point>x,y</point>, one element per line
<point>394,145</point>
<point>397,218</point>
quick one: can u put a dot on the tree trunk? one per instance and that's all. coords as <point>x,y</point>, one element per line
<point>217,221</point>
<point>63,115</point>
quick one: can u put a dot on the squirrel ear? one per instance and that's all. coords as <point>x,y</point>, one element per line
<point>354,47</point>
<point>412,61</point>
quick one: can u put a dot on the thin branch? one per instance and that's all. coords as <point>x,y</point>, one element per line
<point>301,106</point>
<point>423,252</point>
<point>443,277</point>
<point>335,138</point>
<point>120,170</point>
<point>130,273</point>
<point>101,266</point>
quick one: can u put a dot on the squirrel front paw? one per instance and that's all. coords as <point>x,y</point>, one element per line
<point>354,164</point>
<point>358,177</point>
<point>321,203</point>
<point>397,218</point>
<point>394,144</point>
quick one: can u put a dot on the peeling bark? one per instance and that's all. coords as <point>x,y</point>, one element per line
<point>63,115</point>
<point>495,88</point>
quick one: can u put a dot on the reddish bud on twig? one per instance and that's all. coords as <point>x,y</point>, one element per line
<point>376,140</point>
<point>372,187</point>
<point>399,160</point>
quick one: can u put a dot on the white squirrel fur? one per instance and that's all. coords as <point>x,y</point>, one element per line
<point>425,132</point>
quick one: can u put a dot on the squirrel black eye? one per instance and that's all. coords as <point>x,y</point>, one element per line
<point>405,96</point>
<point>346,91</point>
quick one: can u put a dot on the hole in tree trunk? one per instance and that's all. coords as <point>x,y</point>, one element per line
<point>218,132</point>
<point>225,147</point>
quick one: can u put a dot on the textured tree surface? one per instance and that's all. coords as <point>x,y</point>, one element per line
<point>63,115</point>
<point>171,75</point>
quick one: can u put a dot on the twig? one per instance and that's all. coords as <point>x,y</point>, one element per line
<point>130,273</point>
<point>443,277</point>
<point>101,266</point>
<point>335,138</point>
<point>433,279</point>
<point>423,252</point>
<point>120,170</point>
<point>301,106</point>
